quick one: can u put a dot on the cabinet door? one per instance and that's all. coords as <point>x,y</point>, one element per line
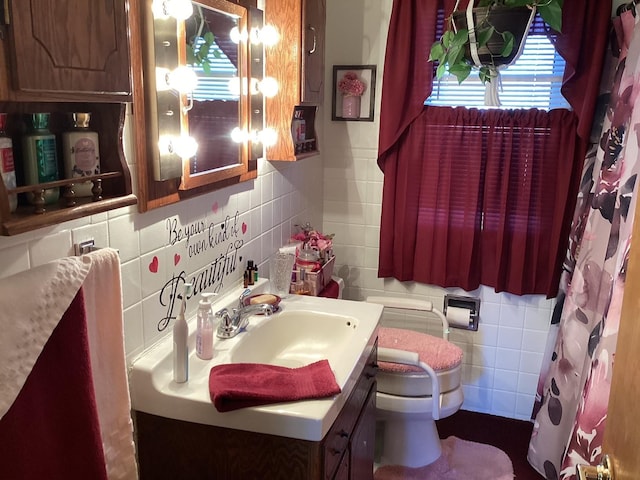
<point>362,447</point>
<point>313,33</point>
<point>78,46</point>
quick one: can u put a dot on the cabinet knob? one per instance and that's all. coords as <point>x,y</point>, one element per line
<point>343,434</point>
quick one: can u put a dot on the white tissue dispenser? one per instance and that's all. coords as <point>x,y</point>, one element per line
<point>462,312</point>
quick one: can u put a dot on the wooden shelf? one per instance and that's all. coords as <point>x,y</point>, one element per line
<point>108,120</point>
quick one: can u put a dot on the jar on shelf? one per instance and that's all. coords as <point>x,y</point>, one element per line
<point>40,157</point>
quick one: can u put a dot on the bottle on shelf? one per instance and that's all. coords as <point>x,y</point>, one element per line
<point>7,168</point>
<point>40,157</point>
<point>81,153</point>
<point>298,127</point>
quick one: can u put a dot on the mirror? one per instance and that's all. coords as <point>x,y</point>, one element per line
<point>201,43</point>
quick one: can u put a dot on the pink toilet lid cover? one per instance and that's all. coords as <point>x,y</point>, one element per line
<point>436,352</point>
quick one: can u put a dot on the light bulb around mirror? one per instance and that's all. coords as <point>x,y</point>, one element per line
<point>183,146</point>
<point>268,137</point>
<point>238,36</point>
<point>269,36</point>
<point>183,79</point>
<point>178,9</point>
<point>269,87</point>
<point>239,136</point>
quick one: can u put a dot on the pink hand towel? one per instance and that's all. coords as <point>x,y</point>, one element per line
<point>240,385</point>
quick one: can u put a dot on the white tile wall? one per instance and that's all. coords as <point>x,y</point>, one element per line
<point>503,357</point>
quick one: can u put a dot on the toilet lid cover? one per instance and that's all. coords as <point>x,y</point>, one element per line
<point>436,352</point>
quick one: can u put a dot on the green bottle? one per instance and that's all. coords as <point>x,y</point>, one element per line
<point>40,157</point>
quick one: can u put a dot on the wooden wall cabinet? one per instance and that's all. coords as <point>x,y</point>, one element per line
<point>52,62</point>
<point>66,47</point>
<point>169,449</point>
<point>297,62</point>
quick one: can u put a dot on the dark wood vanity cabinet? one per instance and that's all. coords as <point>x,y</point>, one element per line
<point>170,449</point>
<point>59,57</point>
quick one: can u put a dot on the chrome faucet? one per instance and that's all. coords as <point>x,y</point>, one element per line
<point>232,323</point>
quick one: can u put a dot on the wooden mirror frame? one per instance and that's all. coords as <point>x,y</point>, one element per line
<point>152,193</point>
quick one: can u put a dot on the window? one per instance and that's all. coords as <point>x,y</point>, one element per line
<point>533,81</point>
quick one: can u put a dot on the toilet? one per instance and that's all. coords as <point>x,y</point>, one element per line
<point>409,400</point>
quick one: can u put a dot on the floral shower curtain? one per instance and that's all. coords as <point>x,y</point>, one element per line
<point>573,389</point>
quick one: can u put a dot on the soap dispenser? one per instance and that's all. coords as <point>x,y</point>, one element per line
<point>204,329</point>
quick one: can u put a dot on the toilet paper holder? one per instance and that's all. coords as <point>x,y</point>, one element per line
<point>470,303</point>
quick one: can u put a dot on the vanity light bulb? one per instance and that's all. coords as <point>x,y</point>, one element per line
<point>185,146</point>
<point>234,86</point>
<point>183,79</point>
<point>178,9</point>
<point>268,137</point>
<point>237,36</point>
<point>239,136</point>
<point>269,87</point>
<point>269,35</point>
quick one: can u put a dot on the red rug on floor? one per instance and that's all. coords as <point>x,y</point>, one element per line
<point>460,459</point>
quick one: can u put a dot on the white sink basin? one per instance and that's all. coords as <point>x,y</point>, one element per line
<point>295,338</point>
<point>304,330</point>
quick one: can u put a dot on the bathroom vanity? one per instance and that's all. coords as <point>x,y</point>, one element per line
<point>172,449</point>
<point>180,434</point>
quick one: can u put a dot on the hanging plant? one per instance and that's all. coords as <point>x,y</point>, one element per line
<point>494,35</point>
<point>200,42</point>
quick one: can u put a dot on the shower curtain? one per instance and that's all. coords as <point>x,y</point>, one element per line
<point>573,389</point>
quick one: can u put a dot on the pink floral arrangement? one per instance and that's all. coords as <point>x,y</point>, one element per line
<point>313,239</point>
<point>351,85</point>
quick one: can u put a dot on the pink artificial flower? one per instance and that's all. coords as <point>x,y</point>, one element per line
<point>350,84</point>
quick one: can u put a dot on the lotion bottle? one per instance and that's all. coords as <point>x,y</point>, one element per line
<point>81,153</point>
<point>7,168</point>
<point>40,157</point>
<point>180,341</point>
<point>204,332</point>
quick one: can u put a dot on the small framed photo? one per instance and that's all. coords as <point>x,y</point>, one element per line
<point>354,88</point>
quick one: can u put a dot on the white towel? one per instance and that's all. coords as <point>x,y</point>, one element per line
<point>31,305</point>
<point>103,305</point>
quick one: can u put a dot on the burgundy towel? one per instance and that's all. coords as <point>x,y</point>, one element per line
<point>240,385</point>
<point>51,431</point>
<point>331,290</point>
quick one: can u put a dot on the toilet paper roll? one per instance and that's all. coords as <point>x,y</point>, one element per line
<point>459,317</point>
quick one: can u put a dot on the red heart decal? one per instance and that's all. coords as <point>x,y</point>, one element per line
<point>244,228</point>
<point>214,207</point>
<point>153,266</point>
<point>176,259</point>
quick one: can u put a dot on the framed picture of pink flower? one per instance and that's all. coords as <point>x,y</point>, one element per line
<point>354,88</point>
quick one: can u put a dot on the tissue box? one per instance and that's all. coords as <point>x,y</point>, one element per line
<point>318,280</point>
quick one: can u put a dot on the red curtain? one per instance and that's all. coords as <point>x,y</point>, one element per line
<point>452,198</point>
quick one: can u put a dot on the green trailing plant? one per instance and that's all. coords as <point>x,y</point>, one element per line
<point>200,42</point>
<point>450,50</point>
